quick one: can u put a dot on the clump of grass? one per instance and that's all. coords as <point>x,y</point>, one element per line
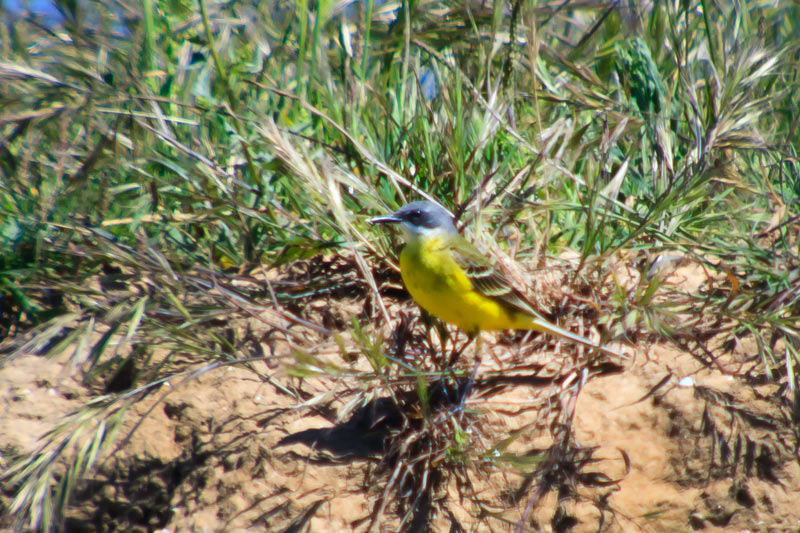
<point>423,427</point>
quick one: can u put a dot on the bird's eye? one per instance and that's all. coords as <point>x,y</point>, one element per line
<point>417,213</point>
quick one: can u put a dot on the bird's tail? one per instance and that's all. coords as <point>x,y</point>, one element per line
<point>540,324</point>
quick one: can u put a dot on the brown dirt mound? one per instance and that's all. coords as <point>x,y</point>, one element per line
<point>228,452</point>
<point>662,443</point>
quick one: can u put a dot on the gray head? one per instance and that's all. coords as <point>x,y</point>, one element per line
<point>420,218</point>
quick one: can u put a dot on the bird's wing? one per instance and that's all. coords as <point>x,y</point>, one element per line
<point>492,283</point>
<point>487,279</point>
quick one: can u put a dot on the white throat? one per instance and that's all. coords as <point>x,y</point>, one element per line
<point>413,233</point>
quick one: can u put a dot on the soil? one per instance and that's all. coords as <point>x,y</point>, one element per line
<point>228,451</point>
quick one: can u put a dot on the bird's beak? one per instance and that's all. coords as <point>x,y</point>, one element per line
<point>388,219</point>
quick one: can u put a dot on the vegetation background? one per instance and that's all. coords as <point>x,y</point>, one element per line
<point>185,188</point>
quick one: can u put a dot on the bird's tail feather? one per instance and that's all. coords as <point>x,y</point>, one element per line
<point>540,324</point>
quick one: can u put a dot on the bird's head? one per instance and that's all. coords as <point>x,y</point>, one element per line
<point>420,219</point>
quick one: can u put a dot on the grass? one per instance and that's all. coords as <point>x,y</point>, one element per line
<point>157,158</point>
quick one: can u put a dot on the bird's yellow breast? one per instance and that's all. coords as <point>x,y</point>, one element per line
<point>441,287</point>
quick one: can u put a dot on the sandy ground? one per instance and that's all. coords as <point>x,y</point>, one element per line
<point>230,452</point>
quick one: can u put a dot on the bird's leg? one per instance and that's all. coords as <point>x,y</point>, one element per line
<point>458,351</point>
<point>478,355</point>
<point>441,329</point>
<point>471,379</point>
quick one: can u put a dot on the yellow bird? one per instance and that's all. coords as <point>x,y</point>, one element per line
<point>451,279</point>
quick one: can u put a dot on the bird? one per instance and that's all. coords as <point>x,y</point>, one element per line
<point>452,280</point>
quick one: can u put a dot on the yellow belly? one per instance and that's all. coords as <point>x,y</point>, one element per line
<point>439,286</point>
